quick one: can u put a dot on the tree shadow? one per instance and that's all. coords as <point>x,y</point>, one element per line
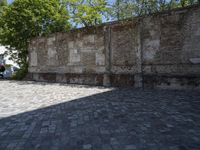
<point>120,119</point>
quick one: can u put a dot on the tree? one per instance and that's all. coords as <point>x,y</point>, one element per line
<point>86,12</point>
<point>2,3</point>
<point>123,9</point>
<point>25,19</point>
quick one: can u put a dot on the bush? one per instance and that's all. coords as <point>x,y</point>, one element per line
<point>21,73</point>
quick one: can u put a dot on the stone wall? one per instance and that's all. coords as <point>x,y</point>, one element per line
<point>161,50</point>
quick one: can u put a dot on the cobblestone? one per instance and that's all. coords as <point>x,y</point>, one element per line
<point>42,116</point>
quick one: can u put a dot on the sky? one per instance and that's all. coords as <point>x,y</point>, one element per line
<point>2,50</point>
<point>9,1</point>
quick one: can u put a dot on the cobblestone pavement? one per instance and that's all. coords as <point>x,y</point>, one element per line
<point>42,116</point>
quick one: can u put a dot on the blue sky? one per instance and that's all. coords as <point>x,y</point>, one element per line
<point>9,1</point>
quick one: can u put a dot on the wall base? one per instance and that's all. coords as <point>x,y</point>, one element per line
<point>87,79</point>
<point>126,80</point>
<point>172,81</point>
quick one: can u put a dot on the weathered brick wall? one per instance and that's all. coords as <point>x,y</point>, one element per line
<point>170,43</point>
<point>161,50</point>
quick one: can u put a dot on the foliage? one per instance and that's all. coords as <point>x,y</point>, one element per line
<point>25,19</point>
<point>20,73</point>
<point>2,3</point>
<point>123,9</point>
<point>7,65</point>
<point>87,12</point>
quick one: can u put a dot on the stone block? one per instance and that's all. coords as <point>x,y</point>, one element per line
<point>33,60</point>
<point>100,59</point>
<point>79,44</point>
<point>195,60</point>
<point>61,78</point>
<point>77,69</point>
<point>51,40</point>
<point>88,59</point>
<point>100,69</point>
<point>71,45</point>
<point>88,49</point>
<point>101,48</point>
<point>35,76</point>
<point>74,56</point>
<point>89,38</point>
<point>41,40</point>
<point>51,52</point>
<point>52,57</point>
<point>106,80</point>
<point>138,80</point>
<point>197,32</point>
<point>150,48</point>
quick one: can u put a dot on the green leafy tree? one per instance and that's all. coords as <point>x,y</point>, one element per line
<point>2,4</point>
<point>25,19</point>
<point>123,9</point>
<point>87,12</point>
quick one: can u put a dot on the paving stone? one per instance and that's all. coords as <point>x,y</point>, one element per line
<point>48,116</point>
<point>130,147</point>
<point>88,146</point>
<point>106,147</point>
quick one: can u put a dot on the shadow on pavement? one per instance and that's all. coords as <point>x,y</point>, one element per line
<point>121,119</point>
